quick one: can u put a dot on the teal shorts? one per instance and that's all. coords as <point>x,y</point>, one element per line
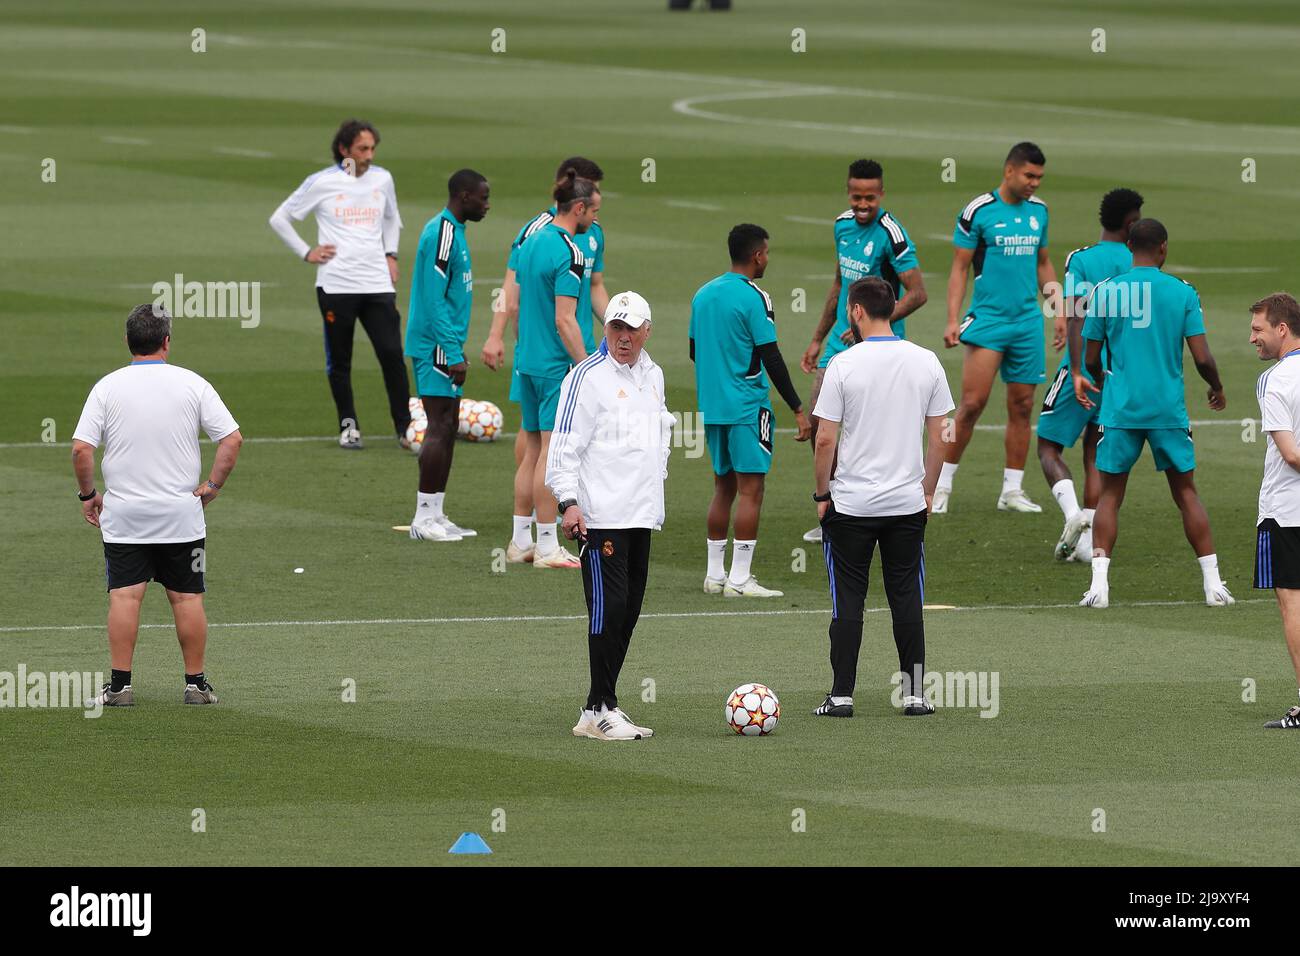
<point>745,447</point>
<point>538,397</point>
<point>1024,356</point>
<point>1062,419</point>
<point>432,378</point>
<point>1120,448</point>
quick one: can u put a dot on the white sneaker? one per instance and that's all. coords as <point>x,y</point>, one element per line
<point>750,588</point>
<point>1071,536</point>
<point>518,555</point>
<point>1017,500</point>
<point>431,530</point>
<point>645,731</point>
<point>1096,597</point>
<point>714,585</point>
<point>1219,596</point>
<point>815,535</point>
<point>1083,550</point>
<point>350,438</point>
<point>939,503</point>
<point>559,558</point>
<point>455,528</point>
<point>586,724</point>
<point>612,725</point>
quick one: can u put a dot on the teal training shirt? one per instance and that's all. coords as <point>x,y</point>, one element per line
<point>1086,267</point>
<point>592,242</point>
<point>1006,239</point>
<point>550,264</point>
<point>442,290</point>
<point>880,248</point>
<point>1143,316</point>
<point>730,318</point>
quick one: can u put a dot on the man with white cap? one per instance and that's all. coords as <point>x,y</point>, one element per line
<point>606,467</point>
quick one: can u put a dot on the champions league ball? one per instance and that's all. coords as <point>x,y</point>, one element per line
<point>479,421</point>
<point>419,423</point>
<point>752,710</point>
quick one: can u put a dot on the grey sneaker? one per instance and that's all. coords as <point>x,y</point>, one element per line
<point>108,697</point>
<point>195,694</point>
<point>350,439</point>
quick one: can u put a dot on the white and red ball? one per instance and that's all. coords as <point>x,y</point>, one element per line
<point>479,421</point>
<point>753,710</point>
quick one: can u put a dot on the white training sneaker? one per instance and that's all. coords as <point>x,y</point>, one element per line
<point>1219,596</point>
<point>612,725</point>
<point>455,528</point>
<point>586,724</point>
<point>350,439</point>
<point>714,585</point>
<point>1083,550</point>
<point>815,535</point>
<point>559,558</point>
<point>750,588</point>
<point>645,731</point>
<point>430,530</point>
<point>1096,597</point>
<point>939,503</point>
<point>518,555</point>
<point>1017,500</point>
<point>1072,535</point>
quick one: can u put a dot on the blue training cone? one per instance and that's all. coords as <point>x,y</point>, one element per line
<point>470,843</point>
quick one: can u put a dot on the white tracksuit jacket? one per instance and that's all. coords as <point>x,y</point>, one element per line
<point>609,448</point>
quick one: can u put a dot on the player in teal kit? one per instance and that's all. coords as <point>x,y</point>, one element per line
<point>442,289</point>
<point>1002,237</point>
<point>1063,419</point>
<point>1143,317</point>
<point>593,296</point>
<point>732,341</point>
<point>552,270</point>
<point>868,242</point>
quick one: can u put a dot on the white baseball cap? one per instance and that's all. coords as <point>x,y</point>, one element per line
<point>628,307</point>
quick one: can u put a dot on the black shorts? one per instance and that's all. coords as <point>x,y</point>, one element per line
<point>177,566</point>
<point>1277,556</point>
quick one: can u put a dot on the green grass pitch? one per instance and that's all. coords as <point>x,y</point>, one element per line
<point>170,161</point>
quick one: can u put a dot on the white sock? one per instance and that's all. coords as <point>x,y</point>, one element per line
<point>523,536</point>
<point>946,475</point>
<point>438,498</point>
<point>742,553</point>
<point>1100,573</point>
<point>1091,515</point>
<point>547,541</point>
<point>717,558</point>
<point>1012,478</point>
<point>1210,570</point>
<point>1063,492</point>
<point>837,701</point>
<point>425,507</point>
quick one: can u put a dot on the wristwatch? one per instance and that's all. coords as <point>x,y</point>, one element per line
<point>566,504</point>
<point>87,497</point>
<point>820,498</point>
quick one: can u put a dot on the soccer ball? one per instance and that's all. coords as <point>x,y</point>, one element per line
<point>753,710</point>
<point>479,421</point>
<point>415,433</point>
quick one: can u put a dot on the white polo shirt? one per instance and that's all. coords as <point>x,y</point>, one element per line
<point>355,214</point>
<point>881,391</point>
<point>147,416</point>
<point>1278,392</point>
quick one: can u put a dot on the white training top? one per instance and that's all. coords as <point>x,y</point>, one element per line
<point>1278,392</point>
<point>355,214</point>
<point>147,416</point>
<point>881,391</point>
<point>609,449</point>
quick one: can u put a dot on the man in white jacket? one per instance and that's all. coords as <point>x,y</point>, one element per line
<point>606,467</point>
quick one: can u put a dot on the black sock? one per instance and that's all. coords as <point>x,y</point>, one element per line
<point>120,679</point>
<point>196,679</point>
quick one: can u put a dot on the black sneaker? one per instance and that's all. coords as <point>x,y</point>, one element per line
<point>1288,721</point>
<point>194,694</point>
<point>917,707</point>
<point>829,709</point>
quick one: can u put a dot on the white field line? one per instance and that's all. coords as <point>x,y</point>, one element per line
<point>237,151</point>
<point>534,618</point>
<point>300,439</point>
<point>688,204</point>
